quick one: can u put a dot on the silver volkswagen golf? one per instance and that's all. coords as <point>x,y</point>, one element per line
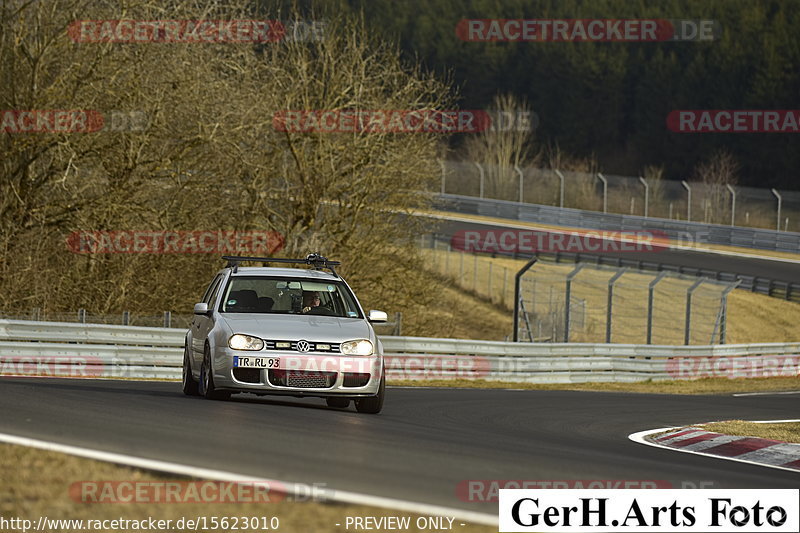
<point>290,331</point>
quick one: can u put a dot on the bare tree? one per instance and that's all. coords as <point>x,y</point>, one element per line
<point>508,143</point>
<point>207,158</point>
<point>716,172</point>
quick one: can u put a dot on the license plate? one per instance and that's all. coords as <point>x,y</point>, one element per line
<point>256,362</point>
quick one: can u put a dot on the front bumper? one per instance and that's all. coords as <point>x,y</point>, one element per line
<point>343,375</point>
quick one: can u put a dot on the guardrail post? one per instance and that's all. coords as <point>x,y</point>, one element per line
<point>780,201</point>
<point>651,288</point>
<point>646,195</point>
<point>687,330</point>
<point>567,297</point>
<point>126,318</point>
<point>517,278</point>
<point>167,319</point>
<point>483,178</point>
<point>605,191</point>
<point>441,163</point>
<point>561,192</point>
<point>521,177</point>
<point>688,200</point>
<point>82,316</point>
<point>610,303</point>
<point>36,312</point>
<point>733,203</point>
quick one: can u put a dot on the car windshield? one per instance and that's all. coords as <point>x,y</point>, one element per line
<point>257,294</point>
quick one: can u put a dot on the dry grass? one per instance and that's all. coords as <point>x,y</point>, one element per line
<point>784,431</point>
<point>698,386</point>
<point>37,483</point>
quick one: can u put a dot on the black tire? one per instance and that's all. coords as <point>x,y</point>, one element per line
<point>373,404</point>
<point>190,385</point>
<point>206,386</point>
<point>335,401</point>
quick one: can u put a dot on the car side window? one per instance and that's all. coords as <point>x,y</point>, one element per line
<point>212,289</point>
<point>215,295</point>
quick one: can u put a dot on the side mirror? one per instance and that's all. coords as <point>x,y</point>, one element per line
<point>377,316</point>
<point>201,308</point>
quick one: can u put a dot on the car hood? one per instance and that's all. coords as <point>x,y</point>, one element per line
<point>297,327</point>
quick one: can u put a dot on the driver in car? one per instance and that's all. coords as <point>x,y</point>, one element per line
<point>310,299</point>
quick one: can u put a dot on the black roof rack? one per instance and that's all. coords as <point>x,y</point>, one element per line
<point>316,260</point>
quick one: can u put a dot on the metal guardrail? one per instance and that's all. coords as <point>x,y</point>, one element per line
<point>761,239</point>
<point>104,351</point>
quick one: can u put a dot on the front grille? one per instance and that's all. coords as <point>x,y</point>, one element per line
<point>355,379</point>
<point>302,379</point>
<point>247,375</point>
<point>271,344</point>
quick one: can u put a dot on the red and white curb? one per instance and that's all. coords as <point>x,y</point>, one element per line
<point>752,450</point>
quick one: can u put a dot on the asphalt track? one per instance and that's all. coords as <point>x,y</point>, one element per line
<point>419,449</point>
<point>768,268</point>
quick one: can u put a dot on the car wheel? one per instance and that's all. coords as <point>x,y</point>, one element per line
<point>190,385</point>
<point>207,388</point>
<point>373,404</point>
<point>341,403</point>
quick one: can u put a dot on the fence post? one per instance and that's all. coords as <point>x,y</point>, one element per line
<point>646,195</point>
<point>780,201</point>
<point>688,200</point>
<point>687,330</point>
<point>505,283</point>
<point>651,288</point>
<point>561,192</point>
<point>520,182</point>
<point>167,319</point>
<point>733,203</point>
<point>723,326</point>
<point>605,191</point>
<point>489,288</point>
<point>518,295</point>
<point>567,297</point>
<point>82,316</point>
<point>483,178</point>
<point>610,304</point>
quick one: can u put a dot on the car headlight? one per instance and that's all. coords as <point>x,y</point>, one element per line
<point>245,342</point>
<point>362,347</point>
